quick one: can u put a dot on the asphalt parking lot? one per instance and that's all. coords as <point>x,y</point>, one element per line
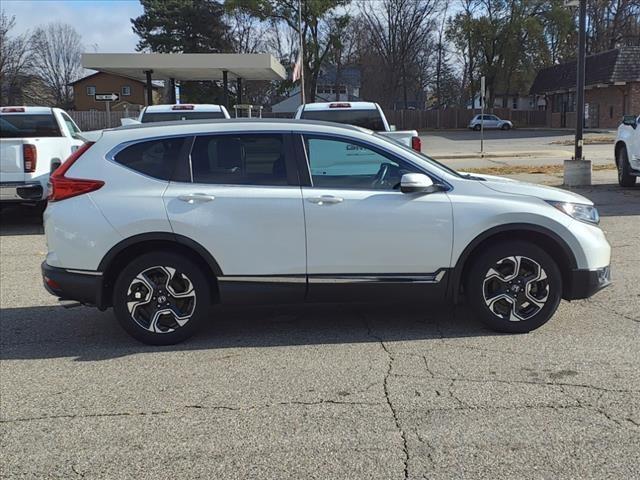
<point>322,392</point>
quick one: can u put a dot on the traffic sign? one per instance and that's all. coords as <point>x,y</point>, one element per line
<point>107,97</point>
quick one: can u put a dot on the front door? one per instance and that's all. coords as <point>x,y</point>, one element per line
<point>365,239</point>
<point>240,199</point>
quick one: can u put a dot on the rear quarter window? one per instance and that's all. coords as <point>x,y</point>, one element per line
<point>19,125</point>
<point>155,158</point>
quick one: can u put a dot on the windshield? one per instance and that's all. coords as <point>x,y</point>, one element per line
<point>422,156</point>
<point>370,119</point>
<point>19,126</point>
<point>180,115</point>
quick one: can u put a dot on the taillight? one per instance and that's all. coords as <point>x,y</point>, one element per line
<point>416,143</point>
<point>339,105</point>
<point>30,156</point>
<point>62,187</point>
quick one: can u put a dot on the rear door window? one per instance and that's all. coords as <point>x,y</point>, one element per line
<point>251,159</point>
<point>154,158</point>
<point>14,125</point>
<point>370,119</point>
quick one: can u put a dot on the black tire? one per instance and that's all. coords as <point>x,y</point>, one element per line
<point>185,279</point>
<point>506,126</point>
<point>525,319</point>
<point>476,128</point>
<point>625,179</point>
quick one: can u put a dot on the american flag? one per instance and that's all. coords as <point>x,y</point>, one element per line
<point>297,68</point>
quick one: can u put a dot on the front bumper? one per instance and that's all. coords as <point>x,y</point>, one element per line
<point>82,286</point>
<point>21,192</point>
<point>585,283</point>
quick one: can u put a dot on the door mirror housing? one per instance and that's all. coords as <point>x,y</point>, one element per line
<point>630,120</point>
<point>416,183</point>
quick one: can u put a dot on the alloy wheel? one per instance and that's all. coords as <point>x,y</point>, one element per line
<point>516,288</point>
<point>161,299</point>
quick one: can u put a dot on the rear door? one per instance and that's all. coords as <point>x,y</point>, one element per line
<point>239,197</point>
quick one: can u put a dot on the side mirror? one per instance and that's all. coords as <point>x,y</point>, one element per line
<point>392,128</point>
<point>630,120</point>
<point>416,183</point>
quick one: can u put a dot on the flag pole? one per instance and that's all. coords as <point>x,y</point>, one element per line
<point>302,97</point>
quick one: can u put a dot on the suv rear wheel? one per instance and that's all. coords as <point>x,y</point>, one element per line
<point>161,298</point>
<point>625,179</point>
<point>515,287</point>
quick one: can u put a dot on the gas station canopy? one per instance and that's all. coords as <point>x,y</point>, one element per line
<point>187,66</point>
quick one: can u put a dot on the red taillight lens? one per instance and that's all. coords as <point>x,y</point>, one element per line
<point>62,187</point>
<point>30,156</point>
<point>416,144</point>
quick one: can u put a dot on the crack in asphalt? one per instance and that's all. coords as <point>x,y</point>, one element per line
<point>608,309</point>
<point>385,385</point>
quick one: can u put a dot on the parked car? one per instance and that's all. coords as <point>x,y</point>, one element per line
<point>361,114</point>
<point>34,141</point>
<point>489,121</point>
<point>182,111</point>
<point>160,221</point>
<point>627,151</point>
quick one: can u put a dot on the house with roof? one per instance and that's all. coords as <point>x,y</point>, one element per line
<point>331,86</point>
<point>132,92</point>
<point>612,89</point>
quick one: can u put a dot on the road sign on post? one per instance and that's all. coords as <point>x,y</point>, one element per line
<point>107,97</point>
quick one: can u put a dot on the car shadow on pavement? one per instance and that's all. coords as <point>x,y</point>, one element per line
<point>20,220</point>
<point>611,199</point>
<point>86,334</point>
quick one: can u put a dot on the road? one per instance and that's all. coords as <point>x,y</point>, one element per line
<point>322,392</point>
<point>548,147</point>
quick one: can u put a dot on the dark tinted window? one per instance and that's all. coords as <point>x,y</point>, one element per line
<point>239,160</point>
<point>370,119</point>
<point>180,115</point>
<point>17,125</point>
<point>155,158</point>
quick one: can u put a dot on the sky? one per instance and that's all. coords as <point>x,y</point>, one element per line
<point>103,24</point>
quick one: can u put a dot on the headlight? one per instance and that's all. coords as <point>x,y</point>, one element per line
<point>579,211</point>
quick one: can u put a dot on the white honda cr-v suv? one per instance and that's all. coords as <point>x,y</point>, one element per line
<point>162,221</point>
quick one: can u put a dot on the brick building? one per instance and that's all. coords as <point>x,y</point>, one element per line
<point>132,92</point>
<point>612,89</point>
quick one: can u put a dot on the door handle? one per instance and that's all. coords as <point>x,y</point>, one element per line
<point>192,198</point>
<point>325,200</point>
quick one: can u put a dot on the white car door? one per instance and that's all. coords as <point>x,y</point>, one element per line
<point>634,154</point>
<point>240,199</point>
<point>362,232</point>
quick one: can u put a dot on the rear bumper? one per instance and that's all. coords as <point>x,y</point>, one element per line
<point>585,283</point>
<point>21,192</point>
<point>82,286</point>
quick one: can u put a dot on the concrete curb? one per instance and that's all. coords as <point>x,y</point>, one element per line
<point>538,154</point>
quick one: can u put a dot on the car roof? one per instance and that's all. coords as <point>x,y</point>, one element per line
<point>312,107</point>
<point>170,108</point>
<point>27,110</point>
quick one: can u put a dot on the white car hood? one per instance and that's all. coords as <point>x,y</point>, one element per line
<point>515,187</point>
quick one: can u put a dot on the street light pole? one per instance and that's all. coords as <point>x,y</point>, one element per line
<point>580,78</point>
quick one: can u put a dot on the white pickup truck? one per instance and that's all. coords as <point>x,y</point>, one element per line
<point>361,114</point>
<point>627,151</point>
<point>34,141</point>
<point>181,111</point>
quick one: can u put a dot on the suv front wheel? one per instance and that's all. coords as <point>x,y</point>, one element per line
<point>161,298</point>
<point>515,287</point>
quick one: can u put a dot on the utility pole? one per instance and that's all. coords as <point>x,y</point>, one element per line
<point>580,78</point>
<point>302,94</point>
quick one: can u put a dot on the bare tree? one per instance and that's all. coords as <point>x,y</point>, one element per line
<point>15,61</point>
<point>57,48</point>
<point>399,29</point>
